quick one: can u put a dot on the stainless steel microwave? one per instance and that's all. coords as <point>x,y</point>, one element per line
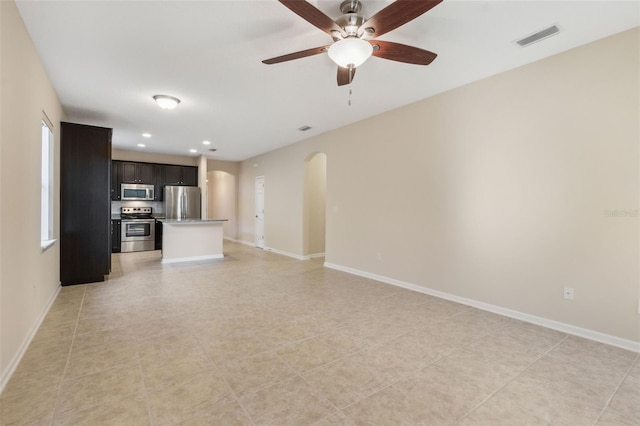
<point>136,191</point>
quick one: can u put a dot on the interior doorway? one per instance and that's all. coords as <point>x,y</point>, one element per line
<point>259,222</point>
<point>315,211</point>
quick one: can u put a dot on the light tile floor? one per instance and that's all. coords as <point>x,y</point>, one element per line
<point>262,339</point>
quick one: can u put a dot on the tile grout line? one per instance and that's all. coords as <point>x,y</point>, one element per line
<point>298,374</point>
<point>512,379</point>
<point>144,387</point>
<point>66,365</point>
<point>226,382</point>
<point>626,374</point>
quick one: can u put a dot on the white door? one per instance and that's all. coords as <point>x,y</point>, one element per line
<point>259,212</point>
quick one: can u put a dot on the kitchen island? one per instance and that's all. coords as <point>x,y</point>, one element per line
<point>185,240</point>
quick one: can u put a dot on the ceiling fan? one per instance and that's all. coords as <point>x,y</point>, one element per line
<point>353,34</point>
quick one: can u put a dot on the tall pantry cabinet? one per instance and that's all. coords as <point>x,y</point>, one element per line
<point>85,203</point>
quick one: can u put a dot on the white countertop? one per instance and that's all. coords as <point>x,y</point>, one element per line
<point>190,221</point>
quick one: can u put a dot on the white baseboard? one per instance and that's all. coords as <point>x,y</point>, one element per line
<point>246,243</point>
<point>544,322</point>
<point>6,375</point>
<point>193,258</point>
<point>314,256</point>
<point>282,252</point>
<point>286,253</point>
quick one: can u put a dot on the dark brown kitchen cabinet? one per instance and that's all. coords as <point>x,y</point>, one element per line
<point>85,203</point>
<point>116,179</point>
<point>138,173</point>
<point>181,175</point>
<point>159,182</point>
<point>116,235</point>
<point>154,174</point>
<point>190,176</point>
<point>158,242</point>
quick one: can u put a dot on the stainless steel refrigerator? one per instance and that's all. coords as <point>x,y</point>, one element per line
<point>182,202</point>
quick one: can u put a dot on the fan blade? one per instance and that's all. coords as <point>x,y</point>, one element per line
<point>313,15</point>
<point>296,55</point>
<point>402,52</point>
<point>396,14</point>
<point>345,75</point>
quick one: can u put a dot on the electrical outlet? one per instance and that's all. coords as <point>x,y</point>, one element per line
<point>568,293</point>
<point>379,256</point>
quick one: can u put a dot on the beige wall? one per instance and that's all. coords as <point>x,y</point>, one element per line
<point>152,157</point>
<point>503,191</point>
<point>315,184</point>
<point>284,172</point>
<point>231,167</point>
<point>28,277</point>
<point>221,196</point>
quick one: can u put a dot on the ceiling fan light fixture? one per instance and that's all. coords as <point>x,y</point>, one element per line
<point>350,52</point>
<point>166,102</point>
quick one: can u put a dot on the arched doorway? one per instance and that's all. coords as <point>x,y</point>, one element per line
<point>315,185</point>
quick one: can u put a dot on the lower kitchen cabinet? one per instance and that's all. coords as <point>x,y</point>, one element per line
<point>158,235</point>
<point>116,231</point>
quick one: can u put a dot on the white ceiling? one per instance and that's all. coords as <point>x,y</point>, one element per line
<point>107,59</point>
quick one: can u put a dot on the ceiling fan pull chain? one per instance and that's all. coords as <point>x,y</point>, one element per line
<point>351,72</point>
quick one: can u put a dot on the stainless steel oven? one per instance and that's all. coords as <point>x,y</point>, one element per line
<point>138,229</point>
<point>138,235</point>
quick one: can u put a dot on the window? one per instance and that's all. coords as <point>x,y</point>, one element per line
<point>46,197</point>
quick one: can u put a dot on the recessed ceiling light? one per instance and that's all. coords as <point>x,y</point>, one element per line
<point>166,101</point>
<point>146,135</point>
<point>212,149</point>
<point>304,128</point>
<point>193,150</point>
<point>206,143</point>
<point>141,145</point>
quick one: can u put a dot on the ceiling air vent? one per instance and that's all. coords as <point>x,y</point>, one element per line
<point>540,35</point>
<point>304,128</point>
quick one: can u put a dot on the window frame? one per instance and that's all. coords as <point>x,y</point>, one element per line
<point>46,184</point>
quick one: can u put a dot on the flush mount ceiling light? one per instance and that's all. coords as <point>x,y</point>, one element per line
<point>141,145</point>
<point>206,143</point>
<point>146,135</point>
<point>193,150</point>
<point>166,102</point>
<point>350,52</point>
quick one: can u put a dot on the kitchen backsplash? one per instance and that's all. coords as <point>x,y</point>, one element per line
<point>157,206</point>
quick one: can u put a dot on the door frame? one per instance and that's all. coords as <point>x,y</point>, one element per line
<point>259,211</point>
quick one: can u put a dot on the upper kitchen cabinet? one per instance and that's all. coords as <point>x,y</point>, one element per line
<point>85,213</point>
<point>181,175</point>
<point>138,173</point>
<point>159,182</point>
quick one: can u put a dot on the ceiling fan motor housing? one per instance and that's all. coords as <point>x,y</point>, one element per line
<point>351,6</point>
<point>351,19</point>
